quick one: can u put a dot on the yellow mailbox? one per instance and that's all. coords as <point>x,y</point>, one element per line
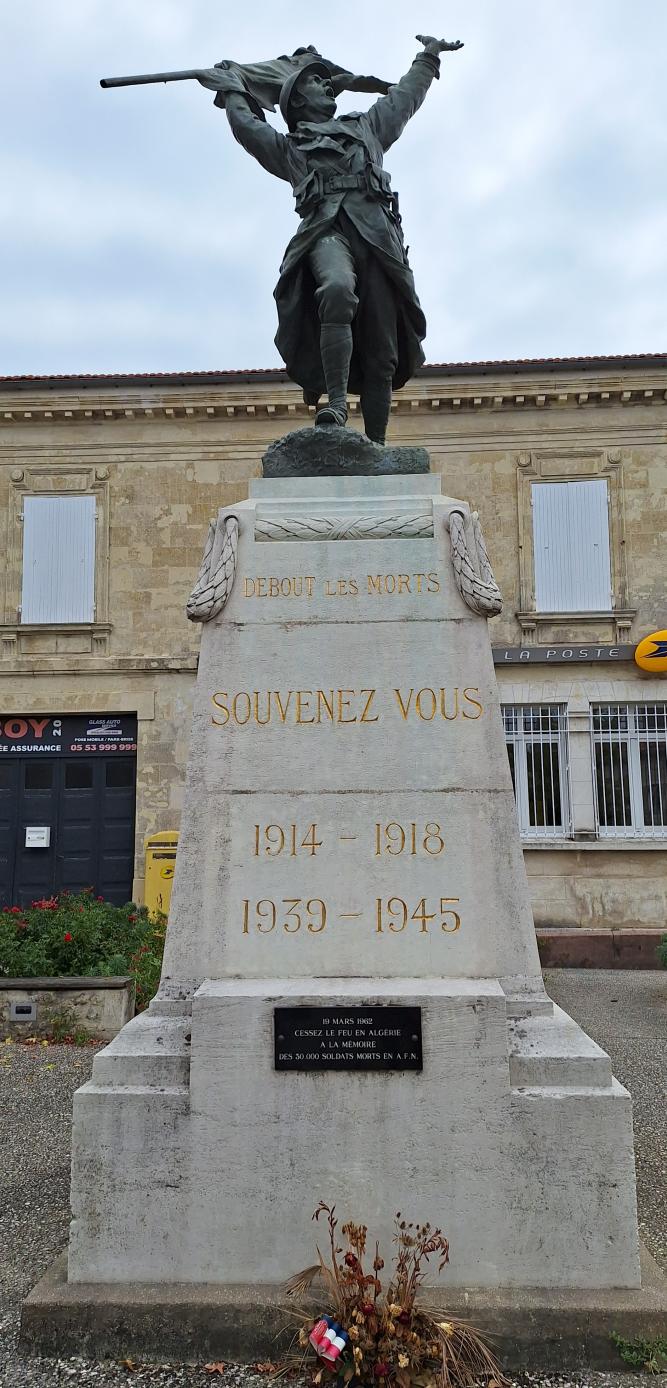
<point>160,854</point>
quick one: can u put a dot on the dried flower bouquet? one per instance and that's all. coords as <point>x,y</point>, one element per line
<point>370,1335</point>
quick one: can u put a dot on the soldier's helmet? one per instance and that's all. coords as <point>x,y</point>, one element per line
<point>288,87</point>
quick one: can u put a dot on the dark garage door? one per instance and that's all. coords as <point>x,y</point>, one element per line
<point>86,799</point>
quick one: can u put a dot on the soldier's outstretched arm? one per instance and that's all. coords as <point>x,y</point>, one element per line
<point>247,121</point>
<point>390,115</point>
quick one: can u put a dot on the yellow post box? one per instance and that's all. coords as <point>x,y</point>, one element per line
<point>160,854</point>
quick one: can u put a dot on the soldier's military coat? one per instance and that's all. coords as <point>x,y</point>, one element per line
<point>337,166</point>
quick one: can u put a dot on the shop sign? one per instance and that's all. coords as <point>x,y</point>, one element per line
<point>561,655</point>
<point>30,734</point>
<point>651,653</point>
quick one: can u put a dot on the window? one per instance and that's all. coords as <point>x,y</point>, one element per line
<point>630,762</point>
<point>571,546</point>
<point>58,559</point>
<point>537,748</point>
<point>78,775</point>
<point>38,775</point>
<point>119,774</point>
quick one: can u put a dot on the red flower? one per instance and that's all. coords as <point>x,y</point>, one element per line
<point>67,936</point>
<point>404,1318</point>
<point>350,1260</point>
<point>132,918</point>
<point>382,1369</point>
<point>100,898</point>
<point>368,1308</point>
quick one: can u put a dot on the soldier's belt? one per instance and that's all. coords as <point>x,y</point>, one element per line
<point>317,186</point>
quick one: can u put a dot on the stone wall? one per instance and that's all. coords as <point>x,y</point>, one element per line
<point>98,1006</point>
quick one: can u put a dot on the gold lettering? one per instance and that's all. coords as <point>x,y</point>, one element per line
<point>235,708</point>
<point>256,696</point>
<point>283,711</point>
<point>404,582</point>
<point>366,708</point>
<point>475,702</point>
<point>309,585</point>
<point>405,708</point>
<point>354,587</point>
<point>248,587</point>
<point>419,578</point>
<point>345,703</point>
<point>261,587</point>
<point>329,592</point>
<point>443,705</point>
<point>430,694</point>
<point>373,583</point>
<point>328,704</point>
<point>216,701</point>
<point>302,695</point>
<point>433,583</point>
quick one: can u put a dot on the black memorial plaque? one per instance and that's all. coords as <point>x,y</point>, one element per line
<point>348,1038</point>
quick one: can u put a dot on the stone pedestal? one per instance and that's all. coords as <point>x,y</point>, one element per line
<point>349,840</point>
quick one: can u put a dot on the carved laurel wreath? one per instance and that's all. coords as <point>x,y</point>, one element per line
<point>369,527</point>
<point>214,585</point>
<point>473,573</point>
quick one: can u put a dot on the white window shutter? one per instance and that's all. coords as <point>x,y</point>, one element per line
<point>571,546</point>
<point>58,559</point>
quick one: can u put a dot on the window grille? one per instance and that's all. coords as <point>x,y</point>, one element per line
<point>630,770</point>
<point>571,546</point>
<point>536,737</point>
<point>58,559</point>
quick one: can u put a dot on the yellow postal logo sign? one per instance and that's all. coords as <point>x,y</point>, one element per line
<point>651,653</point>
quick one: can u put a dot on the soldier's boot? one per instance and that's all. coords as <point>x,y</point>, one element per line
<point>375,408</point>
<point>336,352</point>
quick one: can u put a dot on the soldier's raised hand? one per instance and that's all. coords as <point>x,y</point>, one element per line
<point>437,46</point>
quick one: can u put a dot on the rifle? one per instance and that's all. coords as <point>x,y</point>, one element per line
<point>144,77</point>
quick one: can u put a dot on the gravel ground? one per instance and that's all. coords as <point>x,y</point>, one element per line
<point>625,1012</point>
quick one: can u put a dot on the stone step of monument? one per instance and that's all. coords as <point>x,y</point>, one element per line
<point>547,1052</point>
<point>174,1098</point>
<point>529,1007</point>
<point>170,1007</point>
<point>153,1052</point>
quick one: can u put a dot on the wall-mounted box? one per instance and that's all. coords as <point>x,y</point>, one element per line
<point>38,835</point>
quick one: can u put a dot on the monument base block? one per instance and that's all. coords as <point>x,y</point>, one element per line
<point>561,1331</point>
<point>351,1006</point>
<point>514,1137</point>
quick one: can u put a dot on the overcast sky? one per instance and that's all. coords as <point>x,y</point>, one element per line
<point>136,235</point>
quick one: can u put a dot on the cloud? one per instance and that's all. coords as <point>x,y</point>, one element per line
<point>135,233</point>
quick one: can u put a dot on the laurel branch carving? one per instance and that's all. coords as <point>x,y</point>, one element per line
<point>214,586</point>
<point>374,527</point>
<point>474,575</point>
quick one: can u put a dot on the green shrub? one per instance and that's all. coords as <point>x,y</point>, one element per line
<point>662,951</point>
<point>650,1355</point>
<point>63,936</point>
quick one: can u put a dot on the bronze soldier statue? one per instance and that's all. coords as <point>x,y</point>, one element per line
<point>349,316</point>
<point>348,313</point>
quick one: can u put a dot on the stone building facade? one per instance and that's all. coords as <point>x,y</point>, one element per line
<point>107,485</point>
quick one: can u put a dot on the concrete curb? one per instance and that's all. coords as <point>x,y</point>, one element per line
<point>529,1328</point>
<point>577,948</point>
